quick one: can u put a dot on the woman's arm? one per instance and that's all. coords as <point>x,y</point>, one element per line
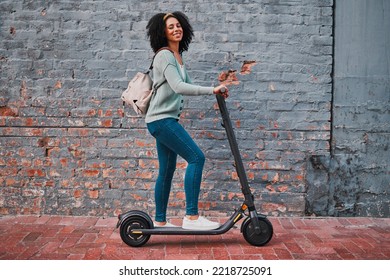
<point>167,62</point>
<point>178,85</point>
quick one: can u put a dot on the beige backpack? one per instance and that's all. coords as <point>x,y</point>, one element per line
<point>139,90</point>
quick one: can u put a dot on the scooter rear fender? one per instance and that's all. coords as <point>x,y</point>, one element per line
<point>132,213</point>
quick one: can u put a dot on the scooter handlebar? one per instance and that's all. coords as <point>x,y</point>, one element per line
<point>223,91</point>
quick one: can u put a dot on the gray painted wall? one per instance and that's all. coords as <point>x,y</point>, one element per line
<point>356,179</point>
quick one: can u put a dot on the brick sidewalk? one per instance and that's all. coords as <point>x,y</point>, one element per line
<point>65,238</point>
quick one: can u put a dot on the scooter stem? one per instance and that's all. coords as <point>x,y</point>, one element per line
<point>236,153</point>
<point>249,200</point>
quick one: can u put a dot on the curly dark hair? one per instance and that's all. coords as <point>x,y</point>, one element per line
<point>156,31</point>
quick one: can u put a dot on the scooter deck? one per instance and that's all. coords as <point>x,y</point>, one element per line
<point>180,231</point>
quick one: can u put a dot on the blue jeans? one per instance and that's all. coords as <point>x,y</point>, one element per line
<point>172,140</point>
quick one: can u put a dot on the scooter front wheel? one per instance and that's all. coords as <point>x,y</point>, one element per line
<point>266,231</point>
<point>132,223</point>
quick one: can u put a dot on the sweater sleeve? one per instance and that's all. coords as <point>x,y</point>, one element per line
<point>174,79</point>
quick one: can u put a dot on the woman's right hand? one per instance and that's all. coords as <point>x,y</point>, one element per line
<point>222,90</point>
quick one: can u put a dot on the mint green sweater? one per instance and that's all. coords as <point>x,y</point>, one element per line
<point>167,102</point>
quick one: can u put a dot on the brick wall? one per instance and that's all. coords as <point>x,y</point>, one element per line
<point>65,148</point>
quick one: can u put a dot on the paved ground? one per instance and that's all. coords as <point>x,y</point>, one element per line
<point>60,237</point>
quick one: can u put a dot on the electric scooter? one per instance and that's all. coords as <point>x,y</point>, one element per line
<point>136,226</point>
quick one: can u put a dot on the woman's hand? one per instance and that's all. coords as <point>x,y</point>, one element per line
<point>222,90</point>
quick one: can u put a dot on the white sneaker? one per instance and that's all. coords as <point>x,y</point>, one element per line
<point>200,224</point>
<point>166,225</point>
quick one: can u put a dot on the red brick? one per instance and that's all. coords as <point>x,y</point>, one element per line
<point>141,174</point>
<point>293,248</point>
<point>352,247</point>
<point>75,256</point>
<point>8,112</point>
<point>94,194</point>
<point>114,173</point>
<point>140,143</point>
<point>93,254</point>
<point>78,193</point>
<point>8,171</point>
<point>88,238</point>
<point>35,173</point>
<point>67,229</point>
<point>30,122</point>
<point>107,113</point>
<point>32,236</point>
<point>91,173</point>
<point>107,123</point>
<point>283,254</point>
<point>148,163</point>
<point>51,247</point>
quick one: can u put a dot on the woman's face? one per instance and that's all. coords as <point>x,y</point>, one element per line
<point>173,30</point>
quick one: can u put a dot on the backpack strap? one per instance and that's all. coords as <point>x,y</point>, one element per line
<point>156,86</point>
<point>164,48</point>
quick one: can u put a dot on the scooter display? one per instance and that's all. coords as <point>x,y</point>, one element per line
<point>136,226</point>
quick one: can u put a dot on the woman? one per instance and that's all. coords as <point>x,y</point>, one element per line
<point>173,31</point>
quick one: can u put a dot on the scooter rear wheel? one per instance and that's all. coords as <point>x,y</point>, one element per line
<point>248,230</point>
<point>131,223</point>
